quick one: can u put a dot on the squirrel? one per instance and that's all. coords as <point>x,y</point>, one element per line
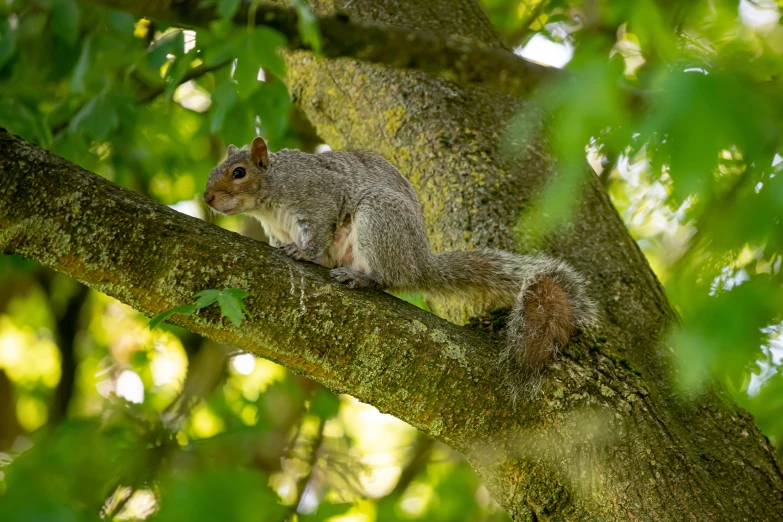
<point>355,213</point>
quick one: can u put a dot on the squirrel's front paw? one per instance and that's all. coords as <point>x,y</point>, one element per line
<point>293,251</point>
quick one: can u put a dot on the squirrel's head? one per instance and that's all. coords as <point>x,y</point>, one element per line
<point>237,184</point>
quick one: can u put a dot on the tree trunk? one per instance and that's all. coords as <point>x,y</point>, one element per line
<point>607,439</point>
<point>447,139</point>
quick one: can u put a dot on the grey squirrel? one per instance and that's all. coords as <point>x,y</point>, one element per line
<point>355,213</point>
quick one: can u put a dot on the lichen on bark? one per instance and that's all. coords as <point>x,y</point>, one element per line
<point>607,439</point>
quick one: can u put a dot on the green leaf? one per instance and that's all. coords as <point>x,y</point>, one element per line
<point>65,21</point>
<point>219,50</point>
<point>239,123</point>
<point>266,42</point>
<point>325,404</point>
<point>224,97</point>
<point>155,321</point>
<point>230,307</point>
<point>176,72</point>
<point>227,8</point>
<point>14,114</point>
<point>7,41</point>
<point>307,23</point>
<point>172,43</point>
<point>248,64</point>
<point>218,492</point>
<point>82,66</point>
<point>326,511</point>
<point>187,309</point>
<point>273,104</point>
<point>206,298</point>
<point>237,292</point>
<point>122,21</point>
<point>96,119</point>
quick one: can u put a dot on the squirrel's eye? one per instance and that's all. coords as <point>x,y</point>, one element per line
<point>239,172</point>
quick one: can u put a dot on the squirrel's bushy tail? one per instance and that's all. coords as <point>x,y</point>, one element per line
<point>547,298</point>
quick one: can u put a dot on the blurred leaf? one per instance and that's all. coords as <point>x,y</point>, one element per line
<point>57,479</point>
<point>65,20</point>
<point>326,511</point>
<point>228,494</point>
<point>7,41</point>
<point>223,98</point>
<point>227,8</point>
<point>171,44</point>
<point>325,404</point>
<point>122,21</point>
<point>274,106</point>
<point>17,116</point>
<point>415,299</point>
<point>307,23</point>
<point>177,71</point>
<point>97,118</point>
<point>82,66</point>
<point>266,42</point>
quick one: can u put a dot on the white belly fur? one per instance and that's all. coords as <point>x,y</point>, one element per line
<point>343,251</point>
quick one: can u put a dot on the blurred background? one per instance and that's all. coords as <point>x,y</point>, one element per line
<point>676,106</point>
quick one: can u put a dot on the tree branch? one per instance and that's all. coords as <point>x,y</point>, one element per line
<point>401,359</point>
<point>596,416</point>
<point>454,58</point>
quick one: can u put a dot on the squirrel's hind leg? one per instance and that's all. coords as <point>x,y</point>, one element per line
<point>354,279</point>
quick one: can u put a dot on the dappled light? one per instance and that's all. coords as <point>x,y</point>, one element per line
<point>639,141</point>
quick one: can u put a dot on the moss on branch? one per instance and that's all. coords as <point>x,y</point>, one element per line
<point>598,444</point>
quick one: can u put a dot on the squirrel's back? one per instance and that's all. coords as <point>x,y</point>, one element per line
<point>354,212</point>
<point>357,170</point>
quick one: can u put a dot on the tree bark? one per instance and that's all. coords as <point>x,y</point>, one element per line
<point>607,439</point>
<point>600,443</point>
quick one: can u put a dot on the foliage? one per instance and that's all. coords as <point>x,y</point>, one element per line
<point>231,301</point>
<point>681,106</point>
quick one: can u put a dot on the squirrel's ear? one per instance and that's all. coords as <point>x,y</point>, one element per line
<point>259,152</point>
<point>232,149</point>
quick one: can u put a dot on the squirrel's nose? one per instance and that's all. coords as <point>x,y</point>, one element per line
<point>208,198</point>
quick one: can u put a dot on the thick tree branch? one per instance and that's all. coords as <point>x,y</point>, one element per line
<point>452,57</point>
<point>583,450</point>
<point>370,345</point>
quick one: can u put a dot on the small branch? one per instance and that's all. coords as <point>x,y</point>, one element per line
<point>416,463</point>
<point>312,458</point>
<point>206,371</point>
<point>150,92</point>
<point>520,34</point>
<point>66,332</point>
